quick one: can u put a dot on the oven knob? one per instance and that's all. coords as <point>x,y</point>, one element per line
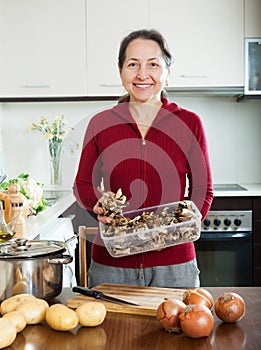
<point>227,222</point>
<point>207,222</point>
<point>237,222</point>
<point>217,222</point>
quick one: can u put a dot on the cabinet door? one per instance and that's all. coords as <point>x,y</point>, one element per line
<point>107,23</point>
<point>206,38</point>
<point>42,46</point>
<point>253,18</point>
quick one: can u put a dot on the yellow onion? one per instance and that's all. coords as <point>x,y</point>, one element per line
<point>230,307</point>
<point>168,314</point>
<point>196,321</point>
<point>198,296</point>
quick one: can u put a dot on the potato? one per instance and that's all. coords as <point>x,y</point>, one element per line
<point>17,318</point>
<point>33,310</point>
<point>11,303</point>
<point>60,318</point>
<point>7,333</point>
<point>91,314</point>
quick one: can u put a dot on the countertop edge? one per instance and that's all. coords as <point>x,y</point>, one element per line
<point>36,225</point>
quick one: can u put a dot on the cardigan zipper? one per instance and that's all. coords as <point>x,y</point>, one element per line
<point>141,272</point>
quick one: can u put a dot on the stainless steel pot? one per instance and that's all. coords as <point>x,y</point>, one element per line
<point>33,267</point>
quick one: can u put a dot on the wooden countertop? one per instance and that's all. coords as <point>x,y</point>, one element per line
<point>132,332</point>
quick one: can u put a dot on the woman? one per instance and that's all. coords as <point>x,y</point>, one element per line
<point>148,147</point>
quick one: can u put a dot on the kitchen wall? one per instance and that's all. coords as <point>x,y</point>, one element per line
<point>233,129</point>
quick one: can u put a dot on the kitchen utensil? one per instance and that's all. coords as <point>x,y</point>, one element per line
<point>34,267</point>
<point>99,295</point>
<point>148,298</point>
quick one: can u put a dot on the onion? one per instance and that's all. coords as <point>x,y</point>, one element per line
<point>198,296</point>
<point>230,307</point>
<point>168,314</point>
<point>196,321</point>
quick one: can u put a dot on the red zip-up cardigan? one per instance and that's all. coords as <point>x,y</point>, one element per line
<point>149,171</point>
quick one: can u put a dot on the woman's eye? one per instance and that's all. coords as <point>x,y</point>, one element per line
<point>154,64</point>
<point>132,64</point>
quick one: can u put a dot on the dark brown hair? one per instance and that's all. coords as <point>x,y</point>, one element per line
<point>146,34</point>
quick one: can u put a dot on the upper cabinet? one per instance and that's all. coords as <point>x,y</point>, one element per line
<point>253,18</point>
<point>67,48</point>
<point>206,39</point>
<point>107,23</point>
<point>43,48</point>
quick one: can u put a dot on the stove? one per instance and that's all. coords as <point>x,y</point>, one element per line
<point>224,249</point>
<point>229,187</point>
<point>227,221</point>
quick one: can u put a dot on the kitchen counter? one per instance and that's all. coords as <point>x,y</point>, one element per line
<point>132,332</point>
<point>58,203</point>
<point>248,190</point>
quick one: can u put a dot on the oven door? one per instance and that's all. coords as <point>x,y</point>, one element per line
<point>225,259</point>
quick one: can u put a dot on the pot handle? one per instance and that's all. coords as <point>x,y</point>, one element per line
<point>63,260</point>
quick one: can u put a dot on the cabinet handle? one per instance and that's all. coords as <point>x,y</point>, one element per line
<point>194,76</point>
<point>110,85</point>
<point>40,86</point>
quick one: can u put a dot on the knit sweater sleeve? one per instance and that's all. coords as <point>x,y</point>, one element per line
<point>88,176</point>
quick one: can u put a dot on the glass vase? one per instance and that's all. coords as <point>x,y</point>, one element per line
<point>55,152</point>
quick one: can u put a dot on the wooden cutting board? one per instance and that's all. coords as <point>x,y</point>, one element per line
<point>148,298</point>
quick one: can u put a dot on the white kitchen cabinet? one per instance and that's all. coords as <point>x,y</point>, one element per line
<point>107,23</point>
<point>206,38</point>
<point>42,45</point>
<point>253,18</point>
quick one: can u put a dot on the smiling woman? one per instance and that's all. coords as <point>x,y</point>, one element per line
<point>148,147</point>
<point>144,72</point>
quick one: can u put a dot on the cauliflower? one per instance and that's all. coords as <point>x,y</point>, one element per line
<point>32,191</point>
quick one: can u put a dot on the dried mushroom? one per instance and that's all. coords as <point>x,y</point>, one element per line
<point>149,230</point>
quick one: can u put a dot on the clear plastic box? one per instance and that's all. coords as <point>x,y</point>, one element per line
<point>121,242</point>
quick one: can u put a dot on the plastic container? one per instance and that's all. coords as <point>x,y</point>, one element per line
<point>121,242</point>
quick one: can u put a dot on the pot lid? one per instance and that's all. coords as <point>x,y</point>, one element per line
<point>22,248</point>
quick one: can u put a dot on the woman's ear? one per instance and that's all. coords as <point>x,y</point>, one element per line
<point>167,77</point>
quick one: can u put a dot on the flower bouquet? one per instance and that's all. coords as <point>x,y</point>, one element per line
<point>55,134</point>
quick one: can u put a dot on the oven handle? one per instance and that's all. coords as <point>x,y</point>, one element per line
<point>226,236</point>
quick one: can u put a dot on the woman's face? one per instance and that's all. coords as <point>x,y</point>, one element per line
<point>144,72</point>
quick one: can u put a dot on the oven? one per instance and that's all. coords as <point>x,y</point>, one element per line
<point>224,249</point>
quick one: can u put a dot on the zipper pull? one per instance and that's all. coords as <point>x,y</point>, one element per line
<point>143,142</point>
<point>141,272</point>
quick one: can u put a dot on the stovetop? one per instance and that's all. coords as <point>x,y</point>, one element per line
<point>229,187</point>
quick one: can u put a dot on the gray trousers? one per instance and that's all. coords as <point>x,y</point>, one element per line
<point>184,275</point>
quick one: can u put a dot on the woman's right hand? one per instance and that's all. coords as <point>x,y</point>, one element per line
<point>97,209</point>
